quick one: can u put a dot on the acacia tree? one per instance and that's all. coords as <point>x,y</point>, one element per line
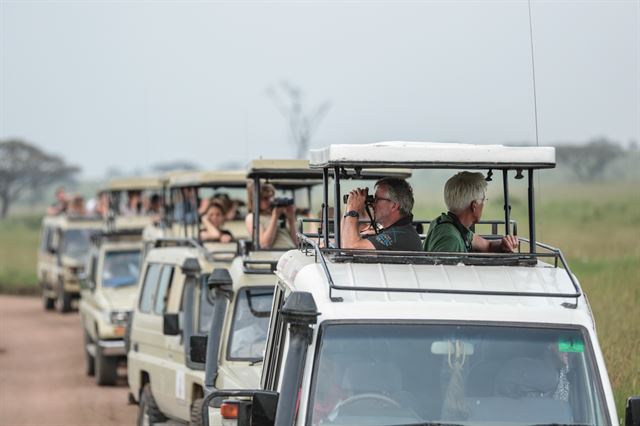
<point>301,124</point>
<point>25,166</point>
<point>589,161</point>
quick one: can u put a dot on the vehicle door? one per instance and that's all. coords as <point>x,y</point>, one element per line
<point>87,305</point>
<point>45,257</point>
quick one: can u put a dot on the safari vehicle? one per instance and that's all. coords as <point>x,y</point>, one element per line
<point>363,337</point>
<point>241,294</point>
<point>108,296</point>
<point>61,256</point>
<point>173,302</point>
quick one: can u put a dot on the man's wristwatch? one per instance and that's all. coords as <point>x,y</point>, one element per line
<point>352,213</point>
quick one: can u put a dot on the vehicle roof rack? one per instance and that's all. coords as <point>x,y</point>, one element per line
<point>433,155</point>
<point>427,258</point>
<point>300,169</point>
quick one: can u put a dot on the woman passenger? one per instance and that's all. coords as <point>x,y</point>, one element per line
<point>213,222</point>
<point>277,224</point>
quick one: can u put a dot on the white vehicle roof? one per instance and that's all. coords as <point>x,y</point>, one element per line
<point>228,178</point>
<point>432,155</point>
<point>73,222</point>
<point>300,169</point>
<point>135,184</point>
<point>301,272</point>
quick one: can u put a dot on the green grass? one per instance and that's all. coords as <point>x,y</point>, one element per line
<point>19,239</point>
<point>597,226</point>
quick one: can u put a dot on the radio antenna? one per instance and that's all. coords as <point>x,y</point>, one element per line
<point>533,72</point>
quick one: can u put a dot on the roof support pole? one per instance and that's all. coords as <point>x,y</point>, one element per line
<point>507,206</point>
<point>256,212</point>
<point>532,216</point>
<point>325,206</point>
<point>337,214</point>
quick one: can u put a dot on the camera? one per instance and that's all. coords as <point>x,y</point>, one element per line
<point>369,201</point>
<point>281,202</point>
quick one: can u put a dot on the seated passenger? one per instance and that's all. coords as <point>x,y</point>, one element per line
<point>465,196</point>
<point>76,207</point>
<point>277,224</point>
<point>213,222</point>
<point>392,206</point>
<point>60,205</point>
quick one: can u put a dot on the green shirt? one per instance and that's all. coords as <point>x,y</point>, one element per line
<point>447,234</point>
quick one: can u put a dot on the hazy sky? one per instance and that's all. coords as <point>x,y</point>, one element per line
<point>129,84</point>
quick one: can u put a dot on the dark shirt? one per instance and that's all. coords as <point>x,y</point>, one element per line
<point>447,234</point>
<point>401,236</point>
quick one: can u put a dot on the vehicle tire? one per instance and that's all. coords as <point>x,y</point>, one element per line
<point>47,303</point>
<point>196,413</point>
<point>89,360</point>
<point>148,411</point>
<point>64,299</point>
<point>106,368</point>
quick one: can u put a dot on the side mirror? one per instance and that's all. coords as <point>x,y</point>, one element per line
<point>632,412</point>
<point>198,348</point>
<point>170,324</point>
<point>85,282</point>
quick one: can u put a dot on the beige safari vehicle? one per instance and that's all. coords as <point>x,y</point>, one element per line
<point>173,301</point>
<point>64,245</point>
<point>244,295</point>
<point>374,337</point>
<point>109,288</point>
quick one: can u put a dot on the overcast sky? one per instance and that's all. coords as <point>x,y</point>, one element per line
<point>129,84</point>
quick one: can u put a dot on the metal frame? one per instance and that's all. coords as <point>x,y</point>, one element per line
<point>412,257</point>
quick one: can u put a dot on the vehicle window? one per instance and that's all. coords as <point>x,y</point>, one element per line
<point>75,243</point>
<point>206,305</point>
<point>406,374</point>
<point>250,323</point>
<point>121,268</point>
<point>44,243</point>
<point>150,287</point>
<point>163,290</point>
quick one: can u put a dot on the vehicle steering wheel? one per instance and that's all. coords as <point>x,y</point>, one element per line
<point>363,396</point>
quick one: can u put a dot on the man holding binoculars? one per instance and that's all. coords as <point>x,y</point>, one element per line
<point>392,205</point>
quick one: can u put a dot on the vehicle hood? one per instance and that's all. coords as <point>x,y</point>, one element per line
<point>118,299</point>
<point>240,375</point>
<point>72,262</point>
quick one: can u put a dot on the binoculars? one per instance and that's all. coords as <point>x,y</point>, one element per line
<point>281,202</point>
<point>369,201</point>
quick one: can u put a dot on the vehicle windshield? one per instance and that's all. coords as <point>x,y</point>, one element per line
<point>75,243</point>
<point>405,374</point>
<point>121,268</point>
<point>250,323</point>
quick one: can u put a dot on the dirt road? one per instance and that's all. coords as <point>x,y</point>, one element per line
<point>42,380</point>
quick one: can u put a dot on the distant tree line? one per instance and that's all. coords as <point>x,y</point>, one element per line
<point>24,166</point>
<point>589,161</point>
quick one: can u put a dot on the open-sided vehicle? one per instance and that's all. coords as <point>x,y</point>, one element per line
<point>252,273</point>
<point>173,303</point>
<point>365,337</point>
<point>108,296</point>
<point>62,253</point>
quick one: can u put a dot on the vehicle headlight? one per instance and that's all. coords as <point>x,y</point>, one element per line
<point>118,317</point>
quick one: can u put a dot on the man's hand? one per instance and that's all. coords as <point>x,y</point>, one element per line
<point>357,199</point>
<point>509,243</point>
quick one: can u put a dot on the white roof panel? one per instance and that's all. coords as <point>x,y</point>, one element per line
<point>432,155</point>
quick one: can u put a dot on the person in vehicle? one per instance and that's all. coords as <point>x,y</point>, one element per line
<point>392,205</point>
<point>61,203</point>
<point>277,224</point>
<point>465,195</point>
<point>213,222</point>
<point>76,207</point>
<point>134,204</point>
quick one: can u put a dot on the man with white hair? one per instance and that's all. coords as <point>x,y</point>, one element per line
<point>465,195</point>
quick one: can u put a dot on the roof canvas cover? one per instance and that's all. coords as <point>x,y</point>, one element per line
<point>134,184</point>
<point>432,155</point>
<point>299,169</point>
<point>234,178</point>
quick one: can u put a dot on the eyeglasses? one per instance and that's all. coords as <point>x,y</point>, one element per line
<point>376,199</point>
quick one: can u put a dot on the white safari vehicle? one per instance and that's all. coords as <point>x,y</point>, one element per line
<point>108,296</point>
<point>64,245</point>
<point>173,303</point>
<point>359,337</point>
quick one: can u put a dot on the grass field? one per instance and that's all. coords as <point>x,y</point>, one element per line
<point>597,226</point>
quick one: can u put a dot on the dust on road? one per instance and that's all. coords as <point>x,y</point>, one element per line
<point>42,379</point>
